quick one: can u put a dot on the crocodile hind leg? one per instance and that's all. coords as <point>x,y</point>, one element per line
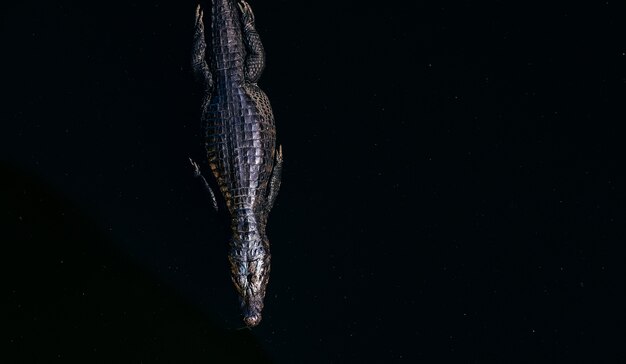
<point>199,64</point>
<point>255,57</point>
<point>275,179</point>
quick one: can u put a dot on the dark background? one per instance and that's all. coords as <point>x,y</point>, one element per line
<point>452,190</point>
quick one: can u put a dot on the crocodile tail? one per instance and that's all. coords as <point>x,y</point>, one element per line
<point>226,35</point>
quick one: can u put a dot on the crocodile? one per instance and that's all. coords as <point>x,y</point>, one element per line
<point>240,141</point>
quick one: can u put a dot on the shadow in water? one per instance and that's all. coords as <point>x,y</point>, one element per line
<point>72,296</point>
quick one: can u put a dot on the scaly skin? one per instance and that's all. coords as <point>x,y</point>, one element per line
<point>240,142</point>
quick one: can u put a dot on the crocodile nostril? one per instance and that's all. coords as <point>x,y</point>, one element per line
<point>252,320</point>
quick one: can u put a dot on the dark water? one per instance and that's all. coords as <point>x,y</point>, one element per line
<point>452,188</point>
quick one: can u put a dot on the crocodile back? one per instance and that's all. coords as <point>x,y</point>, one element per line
<point>240,133</point>
<point>240,141</point>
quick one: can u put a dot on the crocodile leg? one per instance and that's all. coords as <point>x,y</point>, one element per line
<point>255,58</point>
<point>199,63</point>
<point>197,173</point>
<point>275,179</point>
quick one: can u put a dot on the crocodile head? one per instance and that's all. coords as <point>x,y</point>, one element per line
<point>250,267</point>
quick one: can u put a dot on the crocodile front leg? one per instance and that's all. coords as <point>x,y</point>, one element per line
<point>274,184</point>
<point>197,173</point>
